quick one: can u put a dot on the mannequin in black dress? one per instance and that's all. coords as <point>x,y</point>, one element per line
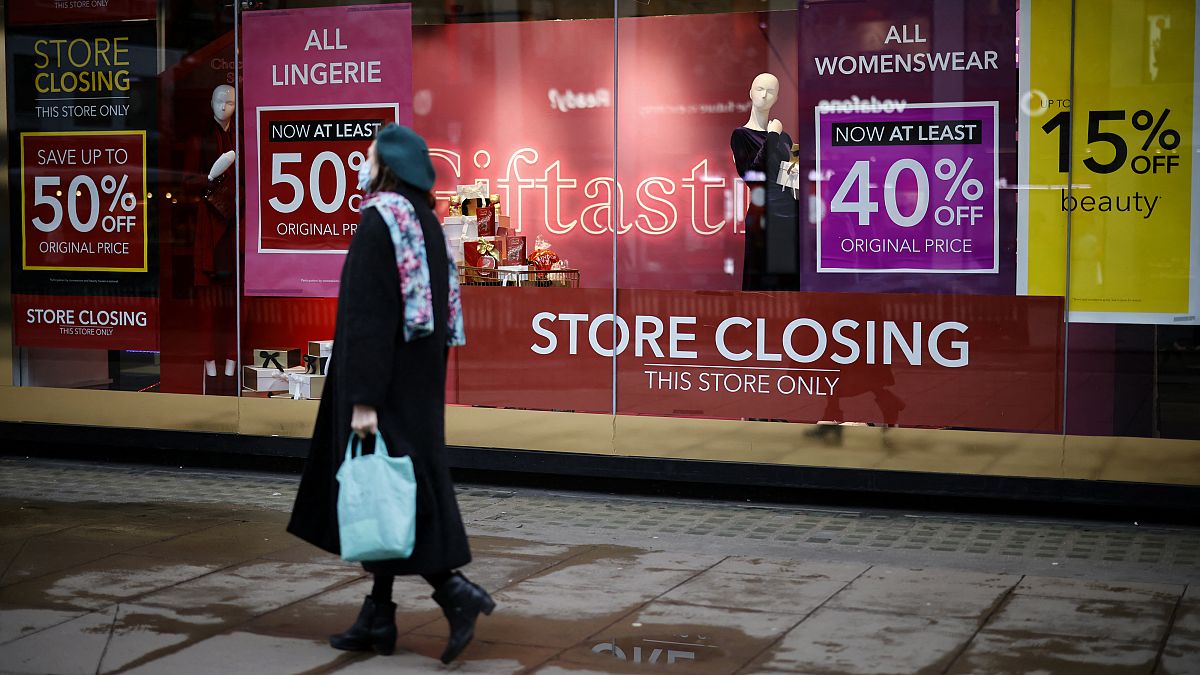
<point>772,252</point>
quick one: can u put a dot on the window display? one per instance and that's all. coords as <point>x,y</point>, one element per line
<point>895,213</point>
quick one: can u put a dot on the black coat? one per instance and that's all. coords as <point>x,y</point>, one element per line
<point>373,365</point>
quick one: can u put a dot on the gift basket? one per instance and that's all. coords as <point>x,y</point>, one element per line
<point>544,269</point>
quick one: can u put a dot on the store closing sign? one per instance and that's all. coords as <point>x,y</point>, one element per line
<point>86,322</point>
<point>915,360</point>
<point>318,84</point>
<point>81,116</point>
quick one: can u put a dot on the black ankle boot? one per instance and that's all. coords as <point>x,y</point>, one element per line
<point>375,628</point>
<point>461,602</point>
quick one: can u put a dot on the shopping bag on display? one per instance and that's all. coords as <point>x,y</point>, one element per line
<point>377,503</point>
<point>789,176</point>
<point>220,196</point>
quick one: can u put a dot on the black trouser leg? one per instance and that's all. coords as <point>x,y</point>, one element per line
<point>437,579</point>
<point>381,590</point>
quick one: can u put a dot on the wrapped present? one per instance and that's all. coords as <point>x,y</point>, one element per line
<point>305,385</point>
<point>279,359</point>
<point>472,197</point>
<point>481,252</point>
<point>504,225</point>
<point>543,257</point>
<point>512,250</point>
<point>320,347</point>
<point>316,365</point>
<point>256,378</point>
<point>466,227</point>
<point>485,217</point>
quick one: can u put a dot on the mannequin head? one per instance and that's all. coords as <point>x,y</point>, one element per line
<point>224,98</point>
<point>764,91</point>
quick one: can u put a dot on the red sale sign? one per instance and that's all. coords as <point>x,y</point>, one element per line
<point>912,360</point>
<point>312,155</point>
<point>318,83</point>
<point>83,201</point>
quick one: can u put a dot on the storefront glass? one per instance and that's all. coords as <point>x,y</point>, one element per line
<point>975,216</point>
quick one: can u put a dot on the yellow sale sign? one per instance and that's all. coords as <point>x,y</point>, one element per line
<point>1108,213</point>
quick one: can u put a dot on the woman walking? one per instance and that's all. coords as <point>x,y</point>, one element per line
<point>398,314</point>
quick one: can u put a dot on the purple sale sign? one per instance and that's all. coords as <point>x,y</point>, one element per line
<point>908,188</point>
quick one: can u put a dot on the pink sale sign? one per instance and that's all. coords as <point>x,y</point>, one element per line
<point>318,84</point>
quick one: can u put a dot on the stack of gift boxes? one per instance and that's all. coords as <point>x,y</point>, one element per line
<point>285,370</point>
<point>480,236</point>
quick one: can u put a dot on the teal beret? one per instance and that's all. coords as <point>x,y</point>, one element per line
<point>406,154</point>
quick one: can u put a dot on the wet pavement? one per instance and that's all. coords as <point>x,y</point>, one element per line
<point>127,569</point>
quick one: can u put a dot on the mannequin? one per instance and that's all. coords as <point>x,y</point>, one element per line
<point>771,259</point>
<point>215,243</point>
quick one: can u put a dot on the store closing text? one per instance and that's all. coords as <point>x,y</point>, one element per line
<point>740,383</point>
<point>739,339</point>
<point>85,321</point>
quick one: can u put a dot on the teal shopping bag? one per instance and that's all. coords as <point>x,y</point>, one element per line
<point>377,503</point>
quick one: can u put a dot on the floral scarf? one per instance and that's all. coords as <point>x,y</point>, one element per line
<point>413,265</point>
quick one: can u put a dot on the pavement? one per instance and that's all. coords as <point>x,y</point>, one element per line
<point>137,569</point>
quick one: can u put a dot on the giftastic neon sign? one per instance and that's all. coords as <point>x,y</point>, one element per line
<point>662,203</point>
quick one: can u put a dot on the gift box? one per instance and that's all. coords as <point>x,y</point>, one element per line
<point>512,250</point>
<point>482,252</point>
<point>485,217</point>
<point>315,365</point>
<point>256,378</point>
<point>472,196</point>
<point>279,359</point>
<point>320,347</point>
<point>305,385</point>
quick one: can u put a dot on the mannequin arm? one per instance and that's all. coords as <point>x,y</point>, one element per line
<point>222,164</point>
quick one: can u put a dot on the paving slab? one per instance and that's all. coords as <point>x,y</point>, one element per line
<point>239,652</point>
<point>1181,655</point>
<point>304,552</point>
<point>781,595</point>
<point>419,655</point>
<point>683,638</point>
<point>1135,622</point>
<point>998,653</point>
<point>508,546</point>
<point>17,622</point>
<point>1091,589</point>
<point>845,641</point>
<point>62,550</point>
<point>101,583</point>
<point>559,615</point>
<point>644,574</point>
<point>21,518</point>
<point>106,640</point>
<point>568,668</point>
<point>322,615</point>
<point>932,592</point>
<point>233,542</point>
<point>8,551</point>
<point>44,652</point>
<point>792,569</point>
<point>238,594</point>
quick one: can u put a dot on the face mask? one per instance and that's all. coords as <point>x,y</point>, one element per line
<point>364,175</point>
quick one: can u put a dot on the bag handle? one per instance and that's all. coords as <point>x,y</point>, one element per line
<point>354,446</point>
